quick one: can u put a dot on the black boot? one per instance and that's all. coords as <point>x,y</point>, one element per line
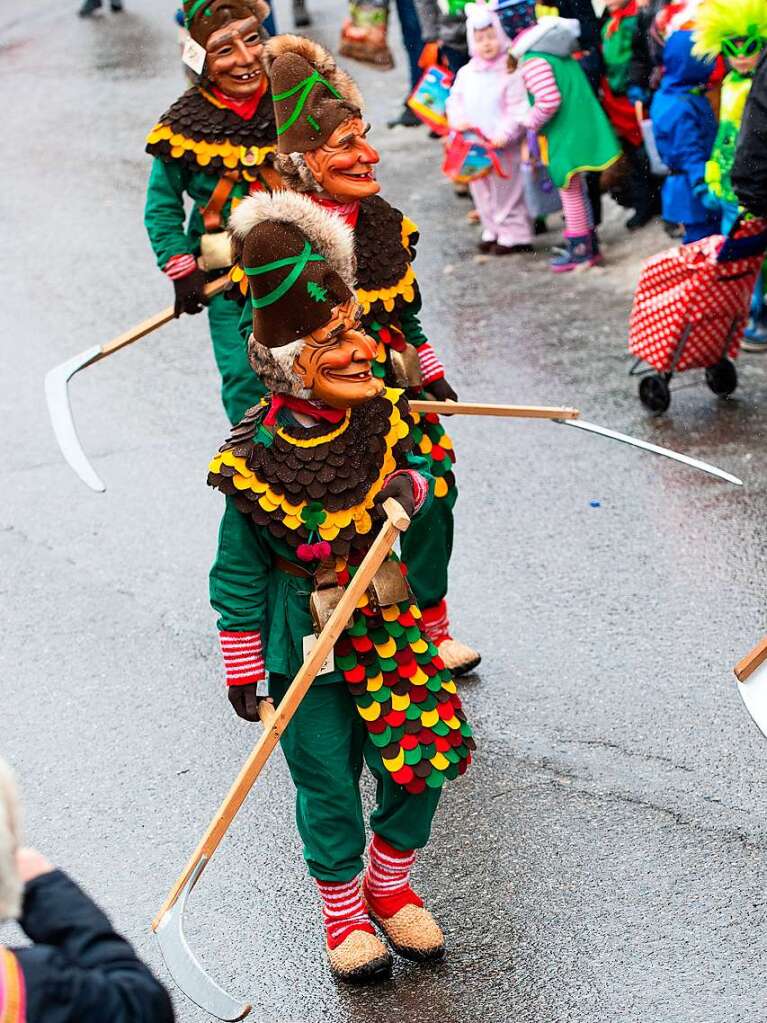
<point>89,7</point>
<point>117,6</point>
<point>301,18</point>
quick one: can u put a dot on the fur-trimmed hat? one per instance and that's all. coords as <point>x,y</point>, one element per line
<point>311,94</point>
<point>204,17</point>
<point>10,883</point>
<point>300,265</point>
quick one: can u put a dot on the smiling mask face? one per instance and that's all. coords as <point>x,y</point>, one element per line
<point>335,360</point>
<point>344,167</point>
<point>233,60</point>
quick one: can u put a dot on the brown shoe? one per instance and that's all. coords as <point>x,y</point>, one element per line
<point>459,658</point>
<point>362,958</point>
<point>485,246</point>
<point>414,934</point>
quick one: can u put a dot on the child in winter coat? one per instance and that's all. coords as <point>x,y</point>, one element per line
<point>565,110</point>
<point>685,129</point>
<point>486,97</point>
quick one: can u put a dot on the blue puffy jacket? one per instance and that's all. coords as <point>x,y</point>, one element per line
<point>685,130</point>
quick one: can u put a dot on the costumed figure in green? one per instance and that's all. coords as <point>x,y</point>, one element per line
<point>738,30</point>
<point>304,475</point>
<point>215,145</point>
<point>324,153</point>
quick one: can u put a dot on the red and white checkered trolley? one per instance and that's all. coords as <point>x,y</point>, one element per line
<point>690,309</point>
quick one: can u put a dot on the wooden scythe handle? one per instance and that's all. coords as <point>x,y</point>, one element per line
<point>276,721</point>
<point>156,321</point>
<point>462,408</point>
<point>747,665</point>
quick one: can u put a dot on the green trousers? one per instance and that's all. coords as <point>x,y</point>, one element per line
<point>240,387</point>
<point>426,549</point>
<point>325,745</point>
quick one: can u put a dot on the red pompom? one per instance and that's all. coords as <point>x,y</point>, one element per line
<point>305,551</point>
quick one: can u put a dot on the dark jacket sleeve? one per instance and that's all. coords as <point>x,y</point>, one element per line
<point>641,65</point>
<point>79,970</point>
<point>749,172</point>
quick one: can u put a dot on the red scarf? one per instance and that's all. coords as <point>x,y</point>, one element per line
<point>617,16</point>
<point>347,211</point>
<point>245,108</point>
<point>308,408</point>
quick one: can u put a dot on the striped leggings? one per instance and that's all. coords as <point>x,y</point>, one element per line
<point>576,207</point>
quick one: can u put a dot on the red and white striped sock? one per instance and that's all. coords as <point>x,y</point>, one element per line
<point>576,208</point>
<point>343,910</point>
<point>387,879</point>
<point>436,623</point>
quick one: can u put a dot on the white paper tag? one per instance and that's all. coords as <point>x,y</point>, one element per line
<point>329,664</point>
<point>193,55</point>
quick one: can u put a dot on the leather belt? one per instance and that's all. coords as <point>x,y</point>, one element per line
<point>290,568</point>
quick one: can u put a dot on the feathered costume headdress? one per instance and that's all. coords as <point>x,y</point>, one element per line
<point>716,20</point>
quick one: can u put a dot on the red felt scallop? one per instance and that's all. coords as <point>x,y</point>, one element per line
<point>408,670</point>
<point>362,643</point>
<point>355,674</point>
<point>417,785</point>
<point>395,718</point>
<point>442,743</point>
<point>404,776</point>
<point>409,741</point>
<point>445,711</point>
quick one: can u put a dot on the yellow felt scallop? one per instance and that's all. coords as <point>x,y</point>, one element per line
<point>371,713</point>
<point>415,611</point>
<point>440,486</point>
<point>420,678</point>
<point>387,649</point>
<point>390,614</point>
<point>440,761</point>
<point>396,763</point>
<point>375,683</point>
<point>453,723</point>
<point>450,687</point>
<point>400,702</point>
<point>419,647</point>
<point>429,718</point>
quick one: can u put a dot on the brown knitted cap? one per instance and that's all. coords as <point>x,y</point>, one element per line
<point>204,17</point>
<point>311,94</point>
<point>299,263</point>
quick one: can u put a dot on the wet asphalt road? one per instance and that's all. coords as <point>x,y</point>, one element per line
<point>604,858</point>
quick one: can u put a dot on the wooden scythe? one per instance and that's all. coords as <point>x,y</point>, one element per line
<point>168,925</point>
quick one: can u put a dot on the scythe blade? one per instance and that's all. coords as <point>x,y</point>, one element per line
<point>60,411</point>
<point>185,967</point>
<point>656,449</point>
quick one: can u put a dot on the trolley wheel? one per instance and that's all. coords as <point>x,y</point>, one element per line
<point>654,393</point>
<point>722,378</point>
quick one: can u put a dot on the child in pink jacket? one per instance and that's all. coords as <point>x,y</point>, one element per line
<point>486,97</point>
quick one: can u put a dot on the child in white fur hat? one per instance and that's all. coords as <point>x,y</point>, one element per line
<point>486,97</point>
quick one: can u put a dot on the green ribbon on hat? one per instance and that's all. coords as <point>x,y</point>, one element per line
<point>195,8</point>
<point>297,262</point>
<point>307,84</point>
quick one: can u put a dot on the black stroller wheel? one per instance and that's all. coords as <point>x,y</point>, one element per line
<point>654,393</point>
<point>722,378</point>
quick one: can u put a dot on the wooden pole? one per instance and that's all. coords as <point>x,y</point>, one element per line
<point>155,322</point>
<point>462,408</point>
<point>276,721</point>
